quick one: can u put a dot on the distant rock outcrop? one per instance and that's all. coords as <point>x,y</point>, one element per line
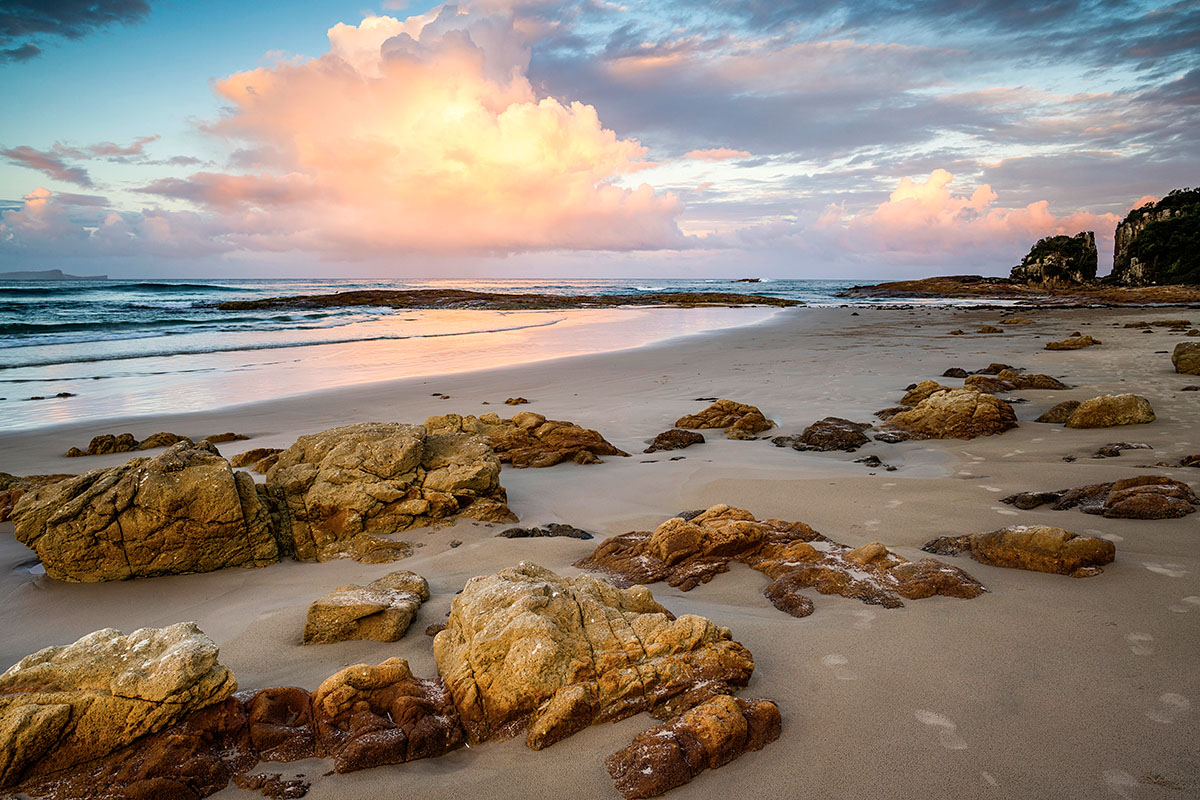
<point>1159,243</point>
<point>1059,262</point>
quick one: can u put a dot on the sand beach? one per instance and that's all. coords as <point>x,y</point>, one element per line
<point>1044,686</point>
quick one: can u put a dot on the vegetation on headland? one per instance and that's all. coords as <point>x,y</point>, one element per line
<point>1170,248</point>
<point>500,301</point>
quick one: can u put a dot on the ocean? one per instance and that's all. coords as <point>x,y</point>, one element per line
<point>119,348</point>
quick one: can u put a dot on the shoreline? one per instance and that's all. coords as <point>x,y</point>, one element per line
<point>1095,295</point>
<point>1034,689</point>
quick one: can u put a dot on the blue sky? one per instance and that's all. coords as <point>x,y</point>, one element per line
<point>521,137</point>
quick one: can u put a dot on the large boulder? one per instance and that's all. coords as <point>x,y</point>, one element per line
<point>688,552</point>
<point>1058,262</point>
<point>332,487</point>
<point>738,420</point>
<point>1034,547</point>
<point>528,648</point>
<point>1109,410</point>
<point>367,716</point>
<point>956,414</point>
<point>528,439</point>
<point>184,510</point>
<point>67,705</point>
<point>708,736</point>
<point>381,611</point>
<point>1186,358</point>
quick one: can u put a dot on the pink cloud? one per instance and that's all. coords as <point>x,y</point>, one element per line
<point>423,135</point>
<point>46,163</point>
<point>716,154</point>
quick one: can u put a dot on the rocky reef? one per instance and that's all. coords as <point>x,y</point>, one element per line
<point>686,553</point>
<point>1159,243</point>
<point>1058,262</point>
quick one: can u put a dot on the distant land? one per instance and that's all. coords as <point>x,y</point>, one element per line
<point>48,275</point>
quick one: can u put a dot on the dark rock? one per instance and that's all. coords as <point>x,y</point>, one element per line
<point>828,434</point>
<point>955,372</point>
<point>515,401</point>
<point>1157,243</point>
<point>553,529</point>
<point>1143,497</point>
<point>995,368</point>
<point>674,439</point>
<point>1115,448</point>
<point>1060,413</point>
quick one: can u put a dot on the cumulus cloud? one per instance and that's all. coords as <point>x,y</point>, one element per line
<point>426,135</point>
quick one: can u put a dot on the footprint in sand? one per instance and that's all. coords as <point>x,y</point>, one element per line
<point>991,488</point>
<point>1120,783</point>
<point>1142,644</point>
<point>872,523</point>
<point>1172,705</point>
<point>837,663</point>
<point>1189,603</point>
<point>1170,570</point>
<point>947,731</point>
<point>1008,512</point>
<point>894,503</point>
<point>865,618</point>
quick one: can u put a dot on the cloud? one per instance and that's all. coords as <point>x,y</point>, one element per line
<point>33,20</point>
<point>110,151</point>
<point>716,154</point>
<point>422,135</point>
<point>47,163</point>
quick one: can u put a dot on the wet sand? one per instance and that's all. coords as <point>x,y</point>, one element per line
<point>1047,686</point>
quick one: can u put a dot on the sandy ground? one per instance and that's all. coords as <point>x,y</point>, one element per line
<point>1047,686</point>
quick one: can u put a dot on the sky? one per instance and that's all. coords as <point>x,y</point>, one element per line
<point>520,138</point>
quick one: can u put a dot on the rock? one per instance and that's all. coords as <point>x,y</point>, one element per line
<point>368,716</point>
<point>530,440</point>
<point>955,372</point>
<point>181,511</point>
<point>737,419</point>
<point>922,391</point>
<point>1073,343</point>
<point>831,433</point>
<point>1019,380</point>
<point>1114,449</point>
<point>1016,321</point>
<point>528,648</point>
<point>990,329</point>
<point>1190,461</point>
<point>273,785</point>
<point>263,465</point>
<point>1034,547</point>
<point>887,413</point>
<point>253,457</point>
<point>105,444</point>
<point>710,735</point>
<point>1157,243</point>
<point>553,529</point>
<point>995,368</point>
<point>957,332</point>
<point>13,488</point>
<point>380,611</point>
<point>686,553</point>
<point>162,439</point>
<point>194,758</point>
<point>331,488</point>
<point>515,401</point>
<point>1058,262</point>
<point>1186,358</point>
<point>1143,497</point>
<point>1060,413</point>
<point>67,705</point>
<point>674,439</point>
<point>1190,389</point>
<point>1160,323</point>
<point>228,436</point>
<point>1109,410</point>
<point>989,384</point>
<point>956,414</point>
